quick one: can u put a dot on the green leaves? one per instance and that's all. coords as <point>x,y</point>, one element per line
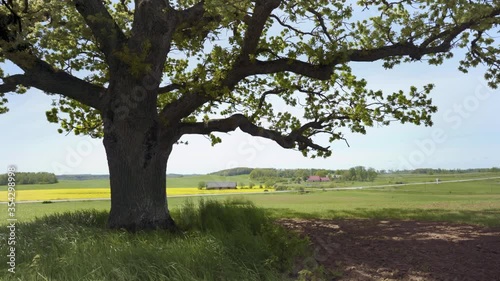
<point>295,73</point>
<point>75,117</point>
<point>3,103</point>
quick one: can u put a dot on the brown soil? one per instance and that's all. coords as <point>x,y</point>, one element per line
<point>399,250</point>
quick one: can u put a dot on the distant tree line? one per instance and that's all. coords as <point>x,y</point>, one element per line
<point>431,171</point>
<point>30,178</point>
<point>358,173</point>
<point>233,172</point>
<point>264,174</point>
<point>271,176</point>
<point>81,177</point>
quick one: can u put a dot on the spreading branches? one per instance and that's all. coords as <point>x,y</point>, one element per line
<point>322,23</point>
<point>292,140</point>
<point>448,35</point>
<point>232,56</point>
<point>294,29</point>
<point>40,74</point>
<point>262,100</point>
<point>195,16</point>
<point>323,67</point>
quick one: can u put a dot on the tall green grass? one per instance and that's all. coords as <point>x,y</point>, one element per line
<point>220,240</point>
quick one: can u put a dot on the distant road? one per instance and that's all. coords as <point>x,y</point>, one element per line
<point>405,184</point>
<point>250,193</point>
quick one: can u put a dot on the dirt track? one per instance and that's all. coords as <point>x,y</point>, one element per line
<point>402,250</point>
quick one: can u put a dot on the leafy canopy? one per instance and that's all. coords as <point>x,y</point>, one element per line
<point>244,60</point>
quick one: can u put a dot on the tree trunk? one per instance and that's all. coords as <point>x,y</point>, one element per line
<point>137,154</point>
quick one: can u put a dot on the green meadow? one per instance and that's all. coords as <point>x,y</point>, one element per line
<point>226,237</point>
<point>473,201</point>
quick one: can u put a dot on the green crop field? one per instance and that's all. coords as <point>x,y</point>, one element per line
<point>470,202</point>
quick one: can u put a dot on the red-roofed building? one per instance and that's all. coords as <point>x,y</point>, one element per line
<point>317,179</point>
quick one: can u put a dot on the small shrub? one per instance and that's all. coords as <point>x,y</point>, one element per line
<point>270,184</point>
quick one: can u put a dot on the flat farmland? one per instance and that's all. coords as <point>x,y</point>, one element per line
<point>475,202</point>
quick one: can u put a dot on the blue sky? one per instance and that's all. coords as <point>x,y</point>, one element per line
<point>466,133</point>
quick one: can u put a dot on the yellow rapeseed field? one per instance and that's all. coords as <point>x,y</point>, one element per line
<point>91,193</point>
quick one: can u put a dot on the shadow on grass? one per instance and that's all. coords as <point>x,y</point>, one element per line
<point>488,217</point>
<point>222,240</point>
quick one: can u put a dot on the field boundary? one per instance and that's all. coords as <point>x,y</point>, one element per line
<point>273,192</point>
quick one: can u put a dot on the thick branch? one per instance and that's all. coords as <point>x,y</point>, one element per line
<point>39,74</point>
<point>192,22</point>
<point>192,14</point>
<point>169,88</point>
<point>10,83</point>
<point>155,22</point>
<point>240,121</point>
<point>182,107</point>
<point>104,28</point>
<point>325,70</point>
<point>256,24</point>
<point>449,34</point>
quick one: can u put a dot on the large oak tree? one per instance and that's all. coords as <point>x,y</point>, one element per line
<point>142,74</point>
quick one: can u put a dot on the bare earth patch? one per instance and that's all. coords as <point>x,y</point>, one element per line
<point>402,250</point>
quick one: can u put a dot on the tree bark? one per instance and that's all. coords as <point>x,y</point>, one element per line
<point>137,167</point>
<point>137,149</point>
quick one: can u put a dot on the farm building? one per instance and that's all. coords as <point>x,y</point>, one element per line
<point>220,185</point>
<point>317,179</point>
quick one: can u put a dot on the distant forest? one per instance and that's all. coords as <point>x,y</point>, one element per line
<point>289,173</point>
<point>233,172</point>
<point>430,171</point>
<point>284,173</point>
<point>81,177</point>
<point>358,173</point>
<point>30,178</point>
